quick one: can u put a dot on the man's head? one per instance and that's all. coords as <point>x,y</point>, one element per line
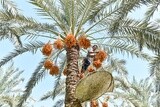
<point>94,47</point>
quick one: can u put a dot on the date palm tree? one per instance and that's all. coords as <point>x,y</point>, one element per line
<point>134,94</point>
<point>9,82</point>
<point>6,30</point>
<point>104,23</point>
<point>155,74</point>
<point>153,7</point>
<point>114,65</point>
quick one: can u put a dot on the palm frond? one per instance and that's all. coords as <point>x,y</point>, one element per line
<point>113,10</point>
<point>46,96</point>
<point>10,79</point>
<point>58,85</point>
<point>10,33</point>
<point>119,11</point>
<point>155,66</point>
<point>124,84</point>
<point>15,81</point>
<point>85,12</point>
<point>6,76</point>
<point>15,26</point>
<point>126,7</point>
<point>155,73</point>
<point>99,10</point>
<point>88,10</point>
<point>9,5</point>
<point>26,48</point>
<point>124,48</point>
<point>49,8</point>
<point>59,103</point>
<point>58,90</point>
<point>77,16</point>
<point>153,6</point>
<point>137,93</point>
<point>117,65</point>
<point>38,74</point>
<point>7,100</point>
<point>146,34</point>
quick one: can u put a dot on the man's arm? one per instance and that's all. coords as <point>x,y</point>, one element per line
<point>91,54</point>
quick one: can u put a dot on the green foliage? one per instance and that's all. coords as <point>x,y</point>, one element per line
<point>153,6</point>
<point>124,48</point>
<point>9,5</point>
<point>28,47</point>
<point>59,87</point>
<point>138,94</point>
<point>59,103</point>
<point>116,65</point>
<point>38,74</point>
<point>9,81</point>
<point>143,33</point>
<point>155,67</point>
<point>93,17</point>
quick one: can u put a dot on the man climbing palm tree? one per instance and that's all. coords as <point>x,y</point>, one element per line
<point>88,59</point>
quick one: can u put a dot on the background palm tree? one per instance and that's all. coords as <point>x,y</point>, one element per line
<point>57,93</point>
<point>155,74</point>
<point>7,31</point>
<point>10,81</point>
<point>155,63</point>
<point>104,22</point>
<point>10,91</point>
<point>134,94</point>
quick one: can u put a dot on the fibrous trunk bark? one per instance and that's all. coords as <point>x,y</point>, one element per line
<point>72,79</point>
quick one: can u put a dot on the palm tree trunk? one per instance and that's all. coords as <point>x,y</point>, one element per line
<point>72,79</point>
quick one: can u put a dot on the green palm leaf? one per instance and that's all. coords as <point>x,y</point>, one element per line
<point>28,47</point>
<point>35,78</point>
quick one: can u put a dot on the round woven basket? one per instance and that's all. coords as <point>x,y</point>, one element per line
<point>94,85</point>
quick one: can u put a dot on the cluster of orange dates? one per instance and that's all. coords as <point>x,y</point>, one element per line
<point>99,58</point>
<point>94,103</point>
<point>69,42</point>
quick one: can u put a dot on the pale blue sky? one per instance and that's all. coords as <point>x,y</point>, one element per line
<point>28,62</point>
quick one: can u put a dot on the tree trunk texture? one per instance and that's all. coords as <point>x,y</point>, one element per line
<point>72,79</point>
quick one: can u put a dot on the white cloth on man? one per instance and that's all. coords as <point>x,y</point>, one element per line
<point>91,53</point>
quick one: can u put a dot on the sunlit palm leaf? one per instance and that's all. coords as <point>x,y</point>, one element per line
<point>38,74</point>
<point>26,48</point>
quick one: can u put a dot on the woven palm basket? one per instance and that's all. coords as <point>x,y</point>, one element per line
<point>94,85</point>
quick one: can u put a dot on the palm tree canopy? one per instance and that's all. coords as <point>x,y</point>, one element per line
<point>9,81</point>
<point>103,22</point>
